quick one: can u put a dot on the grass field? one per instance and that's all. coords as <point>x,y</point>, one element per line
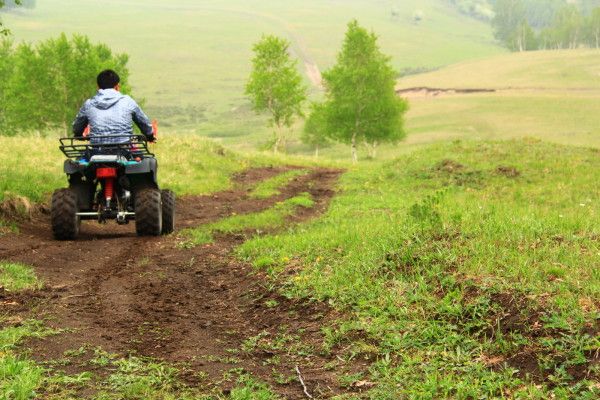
<point>551,95</point>
<point>460,270</point>
<point>469,270</point>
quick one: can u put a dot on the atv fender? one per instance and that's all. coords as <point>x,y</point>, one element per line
<point>71,167</point>
<point>148,166</point>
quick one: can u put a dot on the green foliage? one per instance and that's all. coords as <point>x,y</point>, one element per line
<point>567,29</point>
<point>315,131</point>
<point>593,28</point>
<point>361,102</point>
<point>511,26</point>
<point>249,388</point>
<point>275,85</point>
<point>546,24</point>
<point>19,378</point>
<point>15,277</point>
<point>47,83</point>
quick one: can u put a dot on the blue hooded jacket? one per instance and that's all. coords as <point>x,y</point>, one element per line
<point>110,112</point>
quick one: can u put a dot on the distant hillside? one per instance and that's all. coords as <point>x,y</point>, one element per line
<point>541,69</point>
<point>190,59</point>
<point>551,95</point>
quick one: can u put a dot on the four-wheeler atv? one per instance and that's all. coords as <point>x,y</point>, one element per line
<point>114,181</point>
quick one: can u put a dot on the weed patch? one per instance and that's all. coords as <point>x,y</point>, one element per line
<point>15,277</point>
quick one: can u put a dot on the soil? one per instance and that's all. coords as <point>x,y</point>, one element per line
<point>194,307</point>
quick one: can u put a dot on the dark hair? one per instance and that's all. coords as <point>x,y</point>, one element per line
<point>108,79</point>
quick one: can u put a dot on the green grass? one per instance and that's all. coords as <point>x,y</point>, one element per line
<point>16,277</point>
<point>270,187</point>
<point>249,389</point>
<point>188,164</point>
<point>268,219</point>
<point>428,255</point>
<point>20,377</point>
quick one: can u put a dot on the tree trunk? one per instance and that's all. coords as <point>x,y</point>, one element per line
<point>374,150</point>
<point>317,151</point>
<point>353,146</point>
<point>279,140</point>
<point>276,141</point>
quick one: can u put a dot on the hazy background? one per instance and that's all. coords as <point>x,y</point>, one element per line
<point>190,60</point>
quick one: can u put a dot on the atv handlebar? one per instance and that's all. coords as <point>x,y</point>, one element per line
<point>136,145</point>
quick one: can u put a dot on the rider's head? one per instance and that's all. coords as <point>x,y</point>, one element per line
<point>108,79</point>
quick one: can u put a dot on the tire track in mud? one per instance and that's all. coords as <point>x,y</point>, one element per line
<point>191,307</point>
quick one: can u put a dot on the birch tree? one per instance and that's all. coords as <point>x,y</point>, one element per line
<point>275,86</point>
<point>315,132</point>
<point>594,27</point>
<point>361,103</point>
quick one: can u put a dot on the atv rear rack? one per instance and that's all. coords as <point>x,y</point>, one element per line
<point>80,147</point>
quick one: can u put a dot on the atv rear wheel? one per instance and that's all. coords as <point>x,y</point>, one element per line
<point>148,212</point>
<point>65,222</point>
<point>168,212</point>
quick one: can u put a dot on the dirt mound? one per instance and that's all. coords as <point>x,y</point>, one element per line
<point>449,166</point>
<point>509,172</point>
<point>17,207</point>
<point>198,307</point>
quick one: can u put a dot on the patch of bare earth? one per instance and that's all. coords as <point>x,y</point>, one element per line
<point>196,308</point>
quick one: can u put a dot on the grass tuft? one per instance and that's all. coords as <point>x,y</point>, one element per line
<point>16,277</point>
<point>270,187</point>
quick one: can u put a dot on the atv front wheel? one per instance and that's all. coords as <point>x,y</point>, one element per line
<point>148,212</point>
<point>168,212</point>
<point>65,222</point>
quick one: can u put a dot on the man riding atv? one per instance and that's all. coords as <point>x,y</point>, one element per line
<point>110,113</point>
<point>112,174</point>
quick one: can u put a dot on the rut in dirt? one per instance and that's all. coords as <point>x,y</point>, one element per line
<point>192,307</point>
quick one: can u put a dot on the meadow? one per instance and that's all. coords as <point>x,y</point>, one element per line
<point>462,263</point>
<point>550,95</point>
<point>460,270</point>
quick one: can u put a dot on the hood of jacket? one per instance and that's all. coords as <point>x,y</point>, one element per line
<point>106,98</point>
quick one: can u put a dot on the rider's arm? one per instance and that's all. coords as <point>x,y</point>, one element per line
<point>81,122</point>
<point>142,121</point>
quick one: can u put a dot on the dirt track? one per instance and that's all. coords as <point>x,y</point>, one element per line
<point>190,307</point>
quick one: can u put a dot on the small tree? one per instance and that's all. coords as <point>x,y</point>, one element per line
<point>48,83</point>
<point>361,102</point>
<point>275,86</point>
<point>568,25</point>
<point>6,63</point>
<point>315,128</point>
<point>593,26</point>
<point>508,17</point>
